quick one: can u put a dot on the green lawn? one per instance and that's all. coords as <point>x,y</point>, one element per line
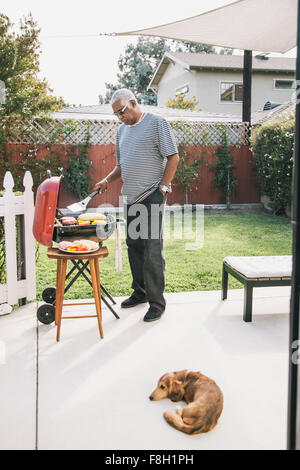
<point>235,233</point>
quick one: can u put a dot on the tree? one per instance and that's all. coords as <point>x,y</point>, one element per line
<point>188,46</point>
<point>25,95</point>
<point>136,67</point>
<point>226,51</point>
<point>110,91</point>
<point>139,63</point>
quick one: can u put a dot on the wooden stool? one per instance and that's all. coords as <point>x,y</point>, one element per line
<point>62,259</point>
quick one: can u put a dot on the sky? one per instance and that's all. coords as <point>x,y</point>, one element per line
<point>76,61</point>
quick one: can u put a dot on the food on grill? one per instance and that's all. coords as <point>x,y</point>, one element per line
<point>91,216</point>
<point>68,221</point>
<point>101,222</point>
<point>84,222</point>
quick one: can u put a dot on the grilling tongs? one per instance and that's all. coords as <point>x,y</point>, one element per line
<point>81,205</point>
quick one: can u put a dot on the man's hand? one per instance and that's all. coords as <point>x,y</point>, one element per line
<point>163,189</point>
<point>102,185</point>
<point>169,172</point>
<point>112,176</point>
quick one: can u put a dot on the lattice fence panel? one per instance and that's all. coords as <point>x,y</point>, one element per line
<point>53,131</point>
<point>208,133</point>
<point>61,131</point>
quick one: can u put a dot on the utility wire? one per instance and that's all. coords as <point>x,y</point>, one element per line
<point>78,36</point>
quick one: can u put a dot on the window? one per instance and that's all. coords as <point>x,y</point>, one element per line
<point>182,90</point>
<point>231,92</point>
<point>284,84</point>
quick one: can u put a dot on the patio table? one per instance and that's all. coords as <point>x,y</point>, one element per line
<point>256,271</point>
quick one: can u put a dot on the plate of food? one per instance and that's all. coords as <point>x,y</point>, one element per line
<point>79,247</point>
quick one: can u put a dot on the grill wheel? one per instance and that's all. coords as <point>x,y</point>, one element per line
<point>46,314</point>
<point>49,295</point>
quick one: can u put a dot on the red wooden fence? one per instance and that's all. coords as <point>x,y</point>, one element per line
<point>103,161</point>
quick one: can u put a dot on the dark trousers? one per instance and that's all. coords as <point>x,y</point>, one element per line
<point>144,238</point>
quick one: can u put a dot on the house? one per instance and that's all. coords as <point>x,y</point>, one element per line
<point>217,80</point>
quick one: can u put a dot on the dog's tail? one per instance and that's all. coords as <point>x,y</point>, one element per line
<point>175,420</point>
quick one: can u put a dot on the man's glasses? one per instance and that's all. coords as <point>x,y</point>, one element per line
<point>121,111</point>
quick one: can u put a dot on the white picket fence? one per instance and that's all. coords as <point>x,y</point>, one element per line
<point>11,206</point>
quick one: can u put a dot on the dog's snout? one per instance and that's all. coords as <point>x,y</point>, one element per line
<point>151,397</point>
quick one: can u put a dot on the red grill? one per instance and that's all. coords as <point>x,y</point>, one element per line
<point>47,227</point>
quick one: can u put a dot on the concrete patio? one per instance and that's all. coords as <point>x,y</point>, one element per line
<point>87,393</point>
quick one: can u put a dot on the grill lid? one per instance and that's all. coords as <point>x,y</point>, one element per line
<point>45,210</point>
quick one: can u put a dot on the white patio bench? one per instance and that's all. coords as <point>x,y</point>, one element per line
<point>256,271</point>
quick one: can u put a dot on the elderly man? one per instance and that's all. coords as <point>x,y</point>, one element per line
<point>147,158</point>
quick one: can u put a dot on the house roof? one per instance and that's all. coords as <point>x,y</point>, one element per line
<point>104,112</point>
<point>190,61</point>
<point>285,110</point>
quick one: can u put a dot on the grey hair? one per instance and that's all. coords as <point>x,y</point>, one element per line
<point>122,94</point>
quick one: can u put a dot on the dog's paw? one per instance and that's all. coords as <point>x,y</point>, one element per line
<point>173,418</point>
<point>168,415</point>
<point>178,410</point>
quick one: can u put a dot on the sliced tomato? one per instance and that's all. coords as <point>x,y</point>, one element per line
<point>78,248</point>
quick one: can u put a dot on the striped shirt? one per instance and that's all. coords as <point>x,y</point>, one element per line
<point>142,152</point>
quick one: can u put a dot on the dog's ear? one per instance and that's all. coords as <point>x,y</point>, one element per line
<point>176,390</point>
<point>180,375</point>
<point>165,378</point>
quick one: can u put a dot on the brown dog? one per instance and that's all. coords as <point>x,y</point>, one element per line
<point>202,394</point>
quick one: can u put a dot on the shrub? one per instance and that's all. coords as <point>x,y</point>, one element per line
<point>181,102</point>
<point>71,159</point>
<point>188,169</point>
<point>77,174</point>
<point>224,169</point>
<point>273,145</point>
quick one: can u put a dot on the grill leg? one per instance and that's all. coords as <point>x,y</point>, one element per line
<point>102,287</point>
<point>80,271</point>
<point>108,294</point>
<point>81,267</point>
<point>71,271</point>
<point>109,306</point>
<point>104,290</point>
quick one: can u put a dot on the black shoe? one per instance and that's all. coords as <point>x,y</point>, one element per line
<point>132,301</point>
<point>153,314</point>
